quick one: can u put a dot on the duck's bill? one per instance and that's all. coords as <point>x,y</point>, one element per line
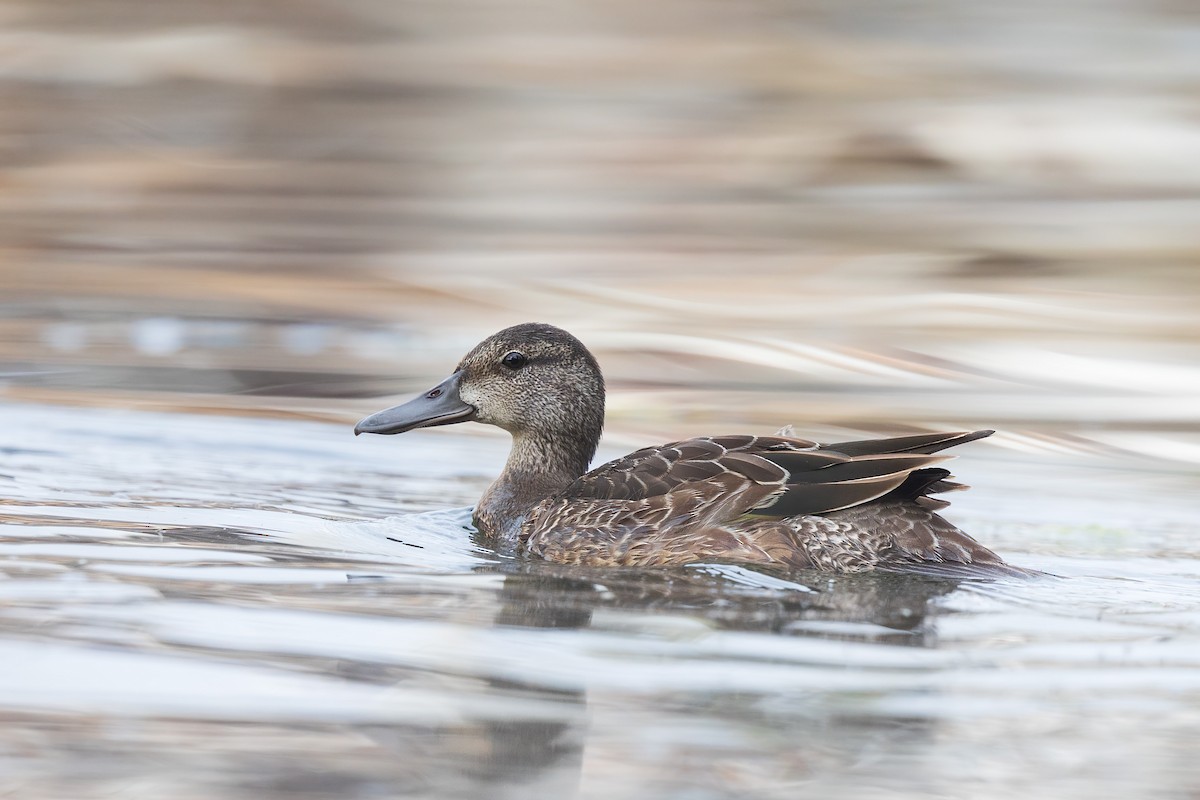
<point>441,405</point>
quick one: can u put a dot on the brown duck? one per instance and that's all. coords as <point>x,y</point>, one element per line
<point>776,501</point>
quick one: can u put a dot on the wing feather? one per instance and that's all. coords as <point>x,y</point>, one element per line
<point>821,498</point>
<point>920,443</point>
<point>766,499</point>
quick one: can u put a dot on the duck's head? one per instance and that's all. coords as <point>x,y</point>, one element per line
<point>533,380</point>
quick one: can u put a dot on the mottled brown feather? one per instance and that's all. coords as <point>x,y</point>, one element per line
<point>764,500</point>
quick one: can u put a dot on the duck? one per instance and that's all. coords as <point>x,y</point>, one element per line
<point>776,502</point>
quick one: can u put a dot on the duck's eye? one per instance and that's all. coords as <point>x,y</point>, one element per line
<point>514,360</point>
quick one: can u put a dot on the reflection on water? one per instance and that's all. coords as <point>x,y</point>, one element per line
<point>246,611</point>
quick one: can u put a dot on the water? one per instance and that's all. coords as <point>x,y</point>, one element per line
<point>200,606</point>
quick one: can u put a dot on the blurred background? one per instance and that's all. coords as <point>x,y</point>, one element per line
<point>828,213</point>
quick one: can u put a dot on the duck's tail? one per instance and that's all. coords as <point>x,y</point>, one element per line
<point>924,482</point>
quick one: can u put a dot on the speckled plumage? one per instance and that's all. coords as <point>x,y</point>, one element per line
<point>719,498</point>
<point>778,501</point>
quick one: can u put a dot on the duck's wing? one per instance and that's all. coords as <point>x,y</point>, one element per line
<point>724,477</point>
<point>919,443</point>
<point>761,500</point>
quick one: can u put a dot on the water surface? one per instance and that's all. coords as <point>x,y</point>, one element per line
<point>201,606</point>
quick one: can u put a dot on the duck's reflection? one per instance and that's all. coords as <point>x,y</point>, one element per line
<point>548,756</point>
<point>877,607</point>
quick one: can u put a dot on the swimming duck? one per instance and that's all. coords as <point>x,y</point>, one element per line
<point>775,501</point>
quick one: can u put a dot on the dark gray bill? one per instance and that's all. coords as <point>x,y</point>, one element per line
<point>441,405</point>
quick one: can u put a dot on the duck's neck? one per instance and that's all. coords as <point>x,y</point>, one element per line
<point>539,465</point>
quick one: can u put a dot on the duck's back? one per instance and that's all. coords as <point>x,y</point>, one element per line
<point>770,500</point>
